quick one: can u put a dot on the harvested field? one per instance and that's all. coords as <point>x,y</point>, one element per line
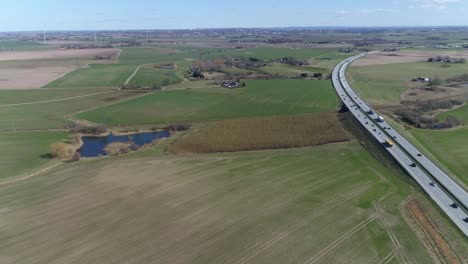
<point>264,133</point>
<point>55,54</point>
<point>31,78</point>
<point>404,56</point>
<point>294,206</point>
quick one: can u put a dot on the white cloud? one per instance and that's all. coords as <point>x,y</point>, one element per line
<point>376,10</point>
<point>436,4</point>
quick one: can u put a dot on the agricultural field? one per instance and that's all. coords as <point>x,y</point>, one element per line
<point>384,84</point>
<point>448,147</point>
<point>266,53</point>
<point>337,204</point>
<point>149,76</point>
<point>7,45</point>
<point>48,108</point>
<point>259,98</point>
<point>279,132</point>
<point>95,75</point>
<point>25,153</point>
<point>43,66</point>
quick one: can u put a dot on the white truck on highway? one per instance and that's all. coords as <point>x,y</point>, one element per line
<point>380,119</point>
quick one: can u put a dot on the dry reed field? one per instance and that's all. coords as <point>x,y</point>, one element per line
<point>276,132</point>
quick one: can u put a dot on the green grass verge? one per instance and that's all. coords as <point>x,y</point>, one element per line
<point>449,147</point>
<point>259,98</point>
<point>97,75</point>
<point>22,152</point>
<point>260,207</point>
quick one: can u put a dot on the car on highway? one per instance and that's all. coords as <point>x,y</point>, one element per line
<point>454,205</point>
<point>413,164</point>
<point>433,184</point>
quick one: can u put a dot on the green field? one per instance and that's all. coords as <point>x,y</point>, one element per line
<point>449,147</point>
<point>22,153</point>
<point>47,108</point>
<point>383,84</point>
<point>277,53</point>
<point>329,204</point>
<point>259,98</point>
<point>21,45</point>
<point>137,56</point>
<point>97,75</point>
<point>149,76</point>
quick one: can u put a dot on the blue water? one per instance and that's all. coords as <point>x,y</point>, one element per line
<point>94,146</point>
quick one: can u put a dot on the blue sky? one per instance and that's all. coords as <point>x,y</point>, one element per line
<point>168,14</point>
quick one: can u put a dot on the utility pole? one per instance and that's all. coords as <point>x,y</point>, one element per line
<point>45,39</point>
<point>95,37</point>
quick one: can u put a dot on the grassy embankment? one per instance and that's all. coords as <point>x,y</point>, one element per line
<point>449,147</point>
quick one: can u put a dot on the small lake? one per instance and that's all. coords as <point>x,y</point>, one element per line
<point>94,146</point>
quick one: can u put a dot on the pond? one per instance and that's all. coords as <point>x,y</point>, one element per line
<point>93,146</point>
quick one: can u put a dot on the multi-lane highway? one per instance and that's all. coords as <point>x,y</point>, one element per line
<point>446,193</point>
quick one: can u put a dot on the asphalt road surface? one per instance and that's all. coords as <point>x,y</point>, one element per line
<point>446,193</point>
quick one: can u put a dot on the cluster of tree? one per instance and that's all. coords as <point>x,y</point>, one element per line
<point>97,130</point>
<point>346,50</point>
<point>416,116</point>
<point>196,72</point>
<point>446,59</point>
<point>248,63</point>
<point>102,57</point>
<point>460,78</point>
<point>391,49</point>
<point>293,61</point>
<point>317,75</point>
<point>130,43</point>
<point>86,46</point>
<point>178,127</point>
<point>282,40</point>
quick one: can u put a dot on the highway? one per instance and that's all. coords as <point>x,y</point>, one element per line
<point>441,188</point>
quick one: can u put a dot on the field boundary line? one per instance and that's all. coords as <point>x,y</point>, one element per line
<point>134,73</point>
<point>7,182</point>
<point>339,240</point>
<point>56,100</point>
